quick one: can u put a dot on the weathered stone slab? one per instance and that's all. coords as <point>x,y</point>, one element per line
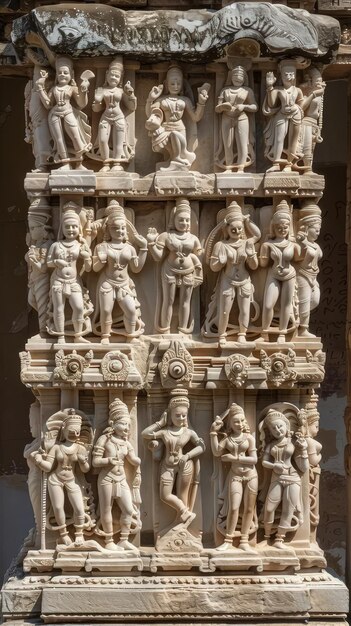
<point>197,35</point>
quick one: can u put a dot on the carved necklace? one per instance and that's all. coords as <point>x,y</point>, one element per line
<point>117,256</point>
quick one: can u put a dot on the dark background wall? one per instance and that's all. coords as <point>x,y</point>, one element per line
<point>17,322</point>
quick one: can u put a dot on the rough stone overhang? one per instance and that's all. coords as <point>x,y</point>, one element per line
<point>89,30</point>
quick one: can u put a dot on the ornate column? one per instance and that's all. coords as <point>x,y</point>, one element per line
<point>173,262</point>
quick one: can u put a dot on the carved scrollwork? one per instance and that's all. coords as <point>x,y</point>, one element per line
<point>176,366</point>
<point>70,367</point>
<point>278,367</point>
<point>237,369</point>
<point>115,366</point>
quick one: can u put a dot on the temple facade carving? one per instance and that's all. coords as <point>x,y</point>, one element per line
<point>173,262</point>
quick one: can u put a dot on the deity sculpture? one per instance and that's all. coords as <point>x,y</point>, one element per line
<point>236,104</point>
<point>63,456</point>
<point>177,447</point>
<point>309,226</point>
<point>66,282</point>
<point>40,239</point>
<point>284,456</point>
<point>277,253</point>
<point>310,135</point>
<point>283,106</point>
<point>314,452</point>
<point>238,489</point>
<point>178,250</point>
<point>36,119</point>
<point>117,308</point>
<point>68,126</point>
<point>172,119</point>
<point>113,147</point>
<point>231,256</point>
<point>118,480</point>
<point>34,473</point>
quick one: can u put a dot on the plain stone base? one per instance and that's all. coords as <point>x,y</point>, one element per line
<point>318,598</point>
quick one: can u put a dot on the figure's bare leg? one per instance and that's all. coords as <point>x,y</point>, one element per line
<point>242,142</point>
<point>185,294</point>
<point>104,136</point>
<point>270,298</point>
<point>106,301</point>
<point>168,296</point>
<point>129,314</point>
<point>235,497</point>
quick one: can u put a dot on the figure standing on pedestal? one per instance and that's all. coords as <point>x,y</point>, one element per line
<point>313,90</point>
<point>309,226</point>
<point>34,473</point>
<point>118,483</point>
<point>115,257</point>
<point>283,457</point>
<point>177,447</point>
<point>40,240</point>
<point>36,117</point>
<point>68,126</point>
<point>277,253</point>
<point>172,119</point>
<point>66,284</point>
<point>231,256</point>
<point>236,447</point>
<point>113,147</point>
<point>178,250</point>
<point>283,106</point>
<point>236,104</point>
<point>60,462</point>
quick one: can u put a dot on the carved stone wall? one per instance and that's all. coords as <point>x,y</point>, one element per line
<point>173,263</point>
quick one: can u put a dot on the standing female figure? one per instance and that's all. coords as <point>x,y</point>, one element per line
<point>68,126</point>
<point>309,226</point>
<point>112,454</point>
<point>231,256</point>
<point>283,457</point>
<point>172,119</point>
<point>236,142</point>
<point>112,134</point>
<point>237,447</point>
<point>277,253</point>
<point>40,240</point>
<point>115,257</point>
<point>178,250</point>
<point>60,463</point>
<point>180,447</point>
<point>66,284</point>
<point>310,135</point>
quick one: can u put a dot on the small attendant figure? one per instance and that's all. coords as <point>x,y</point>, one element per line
<point>309,226</point>
<point>40,240</point>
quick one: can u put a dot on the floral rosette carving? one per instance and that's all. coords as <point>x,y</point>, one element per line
<point>70,367</point>
<point>237,369</point>
<point>278,367</point>
<point>115,366</point>
<point>176,367</point>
